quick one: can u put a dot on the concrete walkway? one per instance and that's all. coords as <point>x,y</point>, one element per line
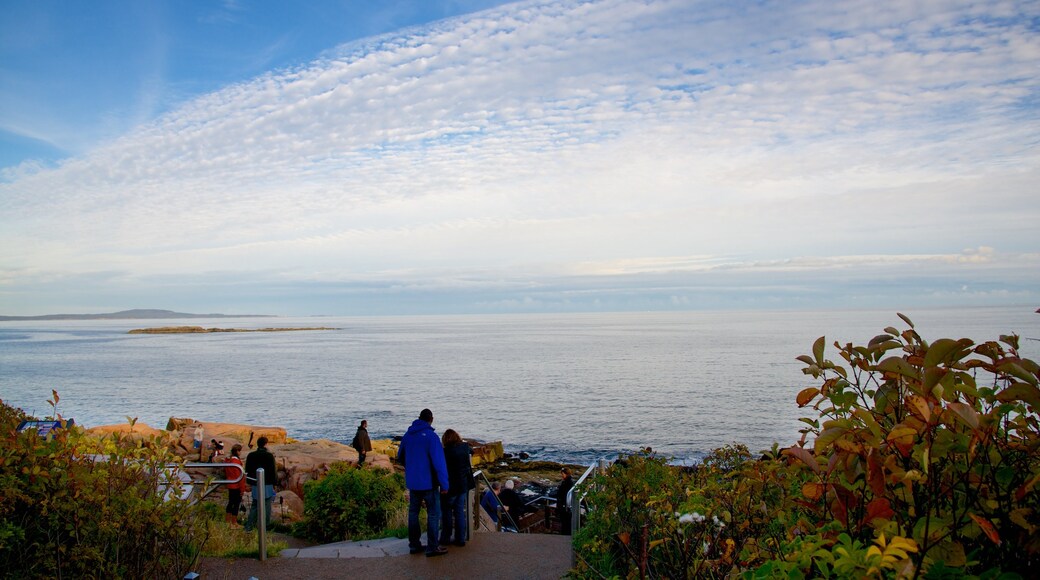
<point>487,555</point>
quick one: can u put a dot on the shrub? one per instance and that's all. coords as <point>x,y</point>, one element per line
<point>923,461</point>
<point>77,507</point>
<point>932,443</point>
<point>638,498</point>
<point>351,503</point>
<point>650,519</point>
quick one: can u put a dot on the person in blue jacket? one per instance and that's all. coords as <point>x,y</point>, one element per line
<point>426,477</point>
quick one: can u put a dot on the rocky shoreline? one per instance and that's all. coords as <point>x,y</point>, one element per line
<point>301,461</point>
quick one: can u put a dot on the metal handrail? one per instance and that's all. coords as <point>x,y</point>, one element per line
<point>211,484</point>
<point>574,502</point>
<point>241,471</point>
<point>480,473</point>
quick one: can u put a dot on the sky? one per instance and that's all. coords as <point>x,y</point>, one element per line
<point>428,157</point>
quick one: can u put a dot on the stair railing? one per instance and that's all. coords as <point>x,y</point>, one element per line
<point>501,512</point>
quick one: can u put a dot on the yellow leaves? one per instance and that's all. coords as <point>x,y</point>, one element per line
<point>876,560</point>
<point>892,552</point>
<point>902,437</point>
<point>806,396</point>
<point>920,407</point>
<point>727,555</point>
<point>913,475</point>
<point>849,446</point>
<point>813,491</point>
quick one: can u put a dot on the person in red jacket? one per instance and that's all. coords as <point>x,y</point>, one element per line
<point>235,490</point>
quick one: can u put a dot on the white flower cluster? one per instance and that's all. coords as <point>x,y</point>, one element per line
<point>698,518</point>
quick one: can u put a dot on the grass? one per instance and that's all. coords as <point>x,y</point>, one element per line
<point>227,542</point>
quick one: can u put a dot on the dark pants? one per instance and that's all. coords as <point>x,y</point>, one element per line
<point>565,520</point>
<point>453,517</point>
<point>431,499</point>
<point>360,458</point>
<point>234,502</point>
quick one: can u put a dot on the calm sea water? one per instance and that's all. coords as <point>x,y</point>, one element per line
<point>568,387</point>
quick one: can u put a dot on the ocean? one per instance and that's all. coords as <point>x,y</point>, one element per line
<point>565,387</point>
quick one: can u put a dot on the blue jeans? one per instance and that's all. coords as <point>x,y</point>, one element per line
<point>416,499</point>
<point>453,515</point>
<point>254,511</point>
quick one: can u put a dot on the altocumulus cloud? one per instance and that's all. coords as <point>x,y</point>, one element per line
<point>572,155</point>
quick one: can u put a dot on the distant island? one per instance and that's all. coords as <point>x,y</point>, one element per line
<point>200,330</point>
<point>138,314</point>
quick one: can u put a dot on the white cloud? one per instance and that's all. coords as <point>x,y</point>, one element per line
<point>574,134</point>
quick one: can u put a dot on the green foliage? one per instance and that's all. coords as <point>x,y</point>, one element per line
<point>935,443</point>
<point>76,507</point>
<point>922,461</point>
<point>656,520</point>
<point>349,503</point>
<point>640,496</point>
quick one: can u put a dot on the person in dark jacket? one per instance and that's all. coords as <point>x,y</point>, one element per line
<point>426,477</point>
<point>260,458</point>
<point>563,511</point>
<point>361,443</point>
<point>514,504</point>
<point>460,480</point>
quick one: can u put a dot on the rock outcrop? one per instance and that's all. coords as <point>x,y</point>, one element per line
<point>486,452</point>
<point>287,506</point>
<point>138,430</point>
<point>298,461</point>
<point>302,461</point>
<point>183,430</point>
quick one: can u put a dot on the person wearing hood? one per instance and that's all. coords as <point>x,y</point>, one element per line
<point>426,477</point>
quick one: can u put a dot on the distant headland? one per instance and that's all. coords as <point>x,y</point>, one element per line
<point>200,330</point>
<point>138,314</point>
